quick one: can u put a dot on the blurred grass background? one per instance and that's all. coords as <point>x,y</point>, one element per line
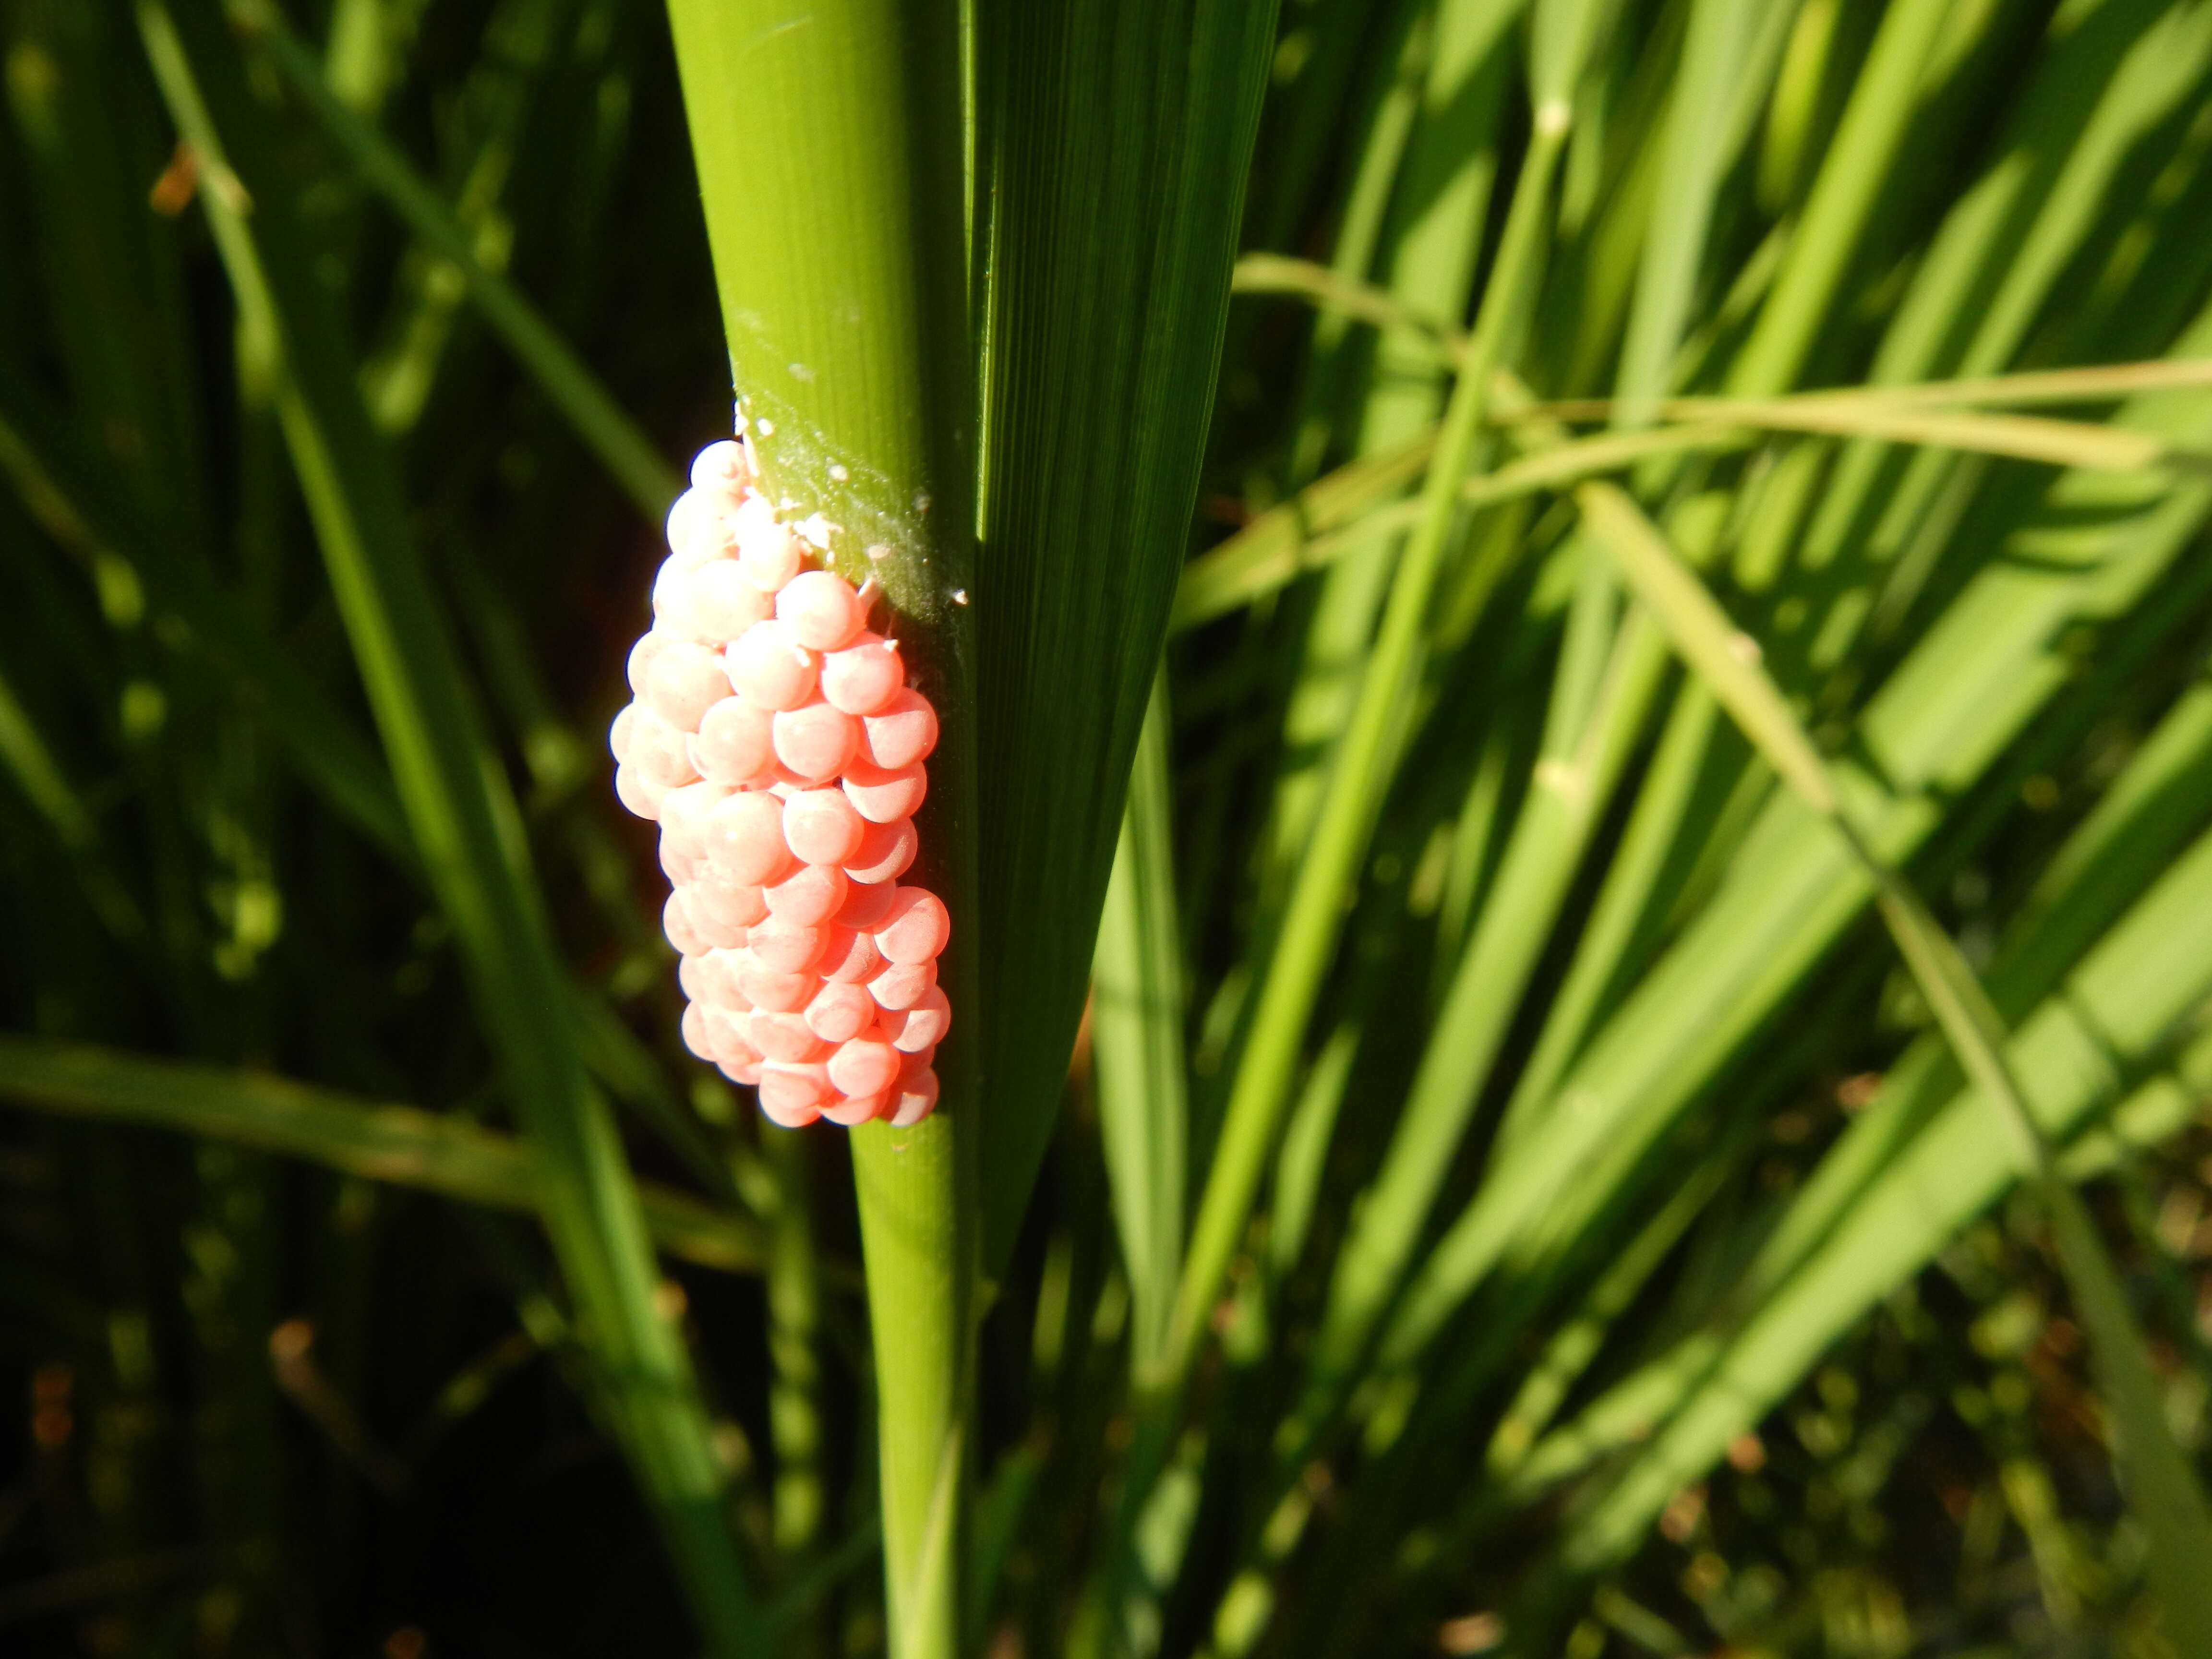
<point>1509,1193</point>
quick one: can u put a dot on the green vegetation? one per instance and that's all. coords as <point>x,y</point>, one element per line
<point>1576,795</point>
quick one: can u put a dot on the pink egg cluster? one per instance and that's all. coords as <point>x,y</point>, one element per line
<point>775,739</point>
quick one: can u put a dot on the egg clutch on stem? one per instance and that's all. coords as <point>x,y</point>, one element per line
<point>776,742</point>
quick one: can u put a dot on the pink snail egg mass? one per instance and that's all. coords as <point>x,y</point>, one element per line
<point>917,1098</point>
<point>778,994</point>
<point>865,1065</point>
<point>883,797</point>
<point>820,609</point>
<point>851,957</point>
<point>915,928</point>
<point>685,681</point>
<point>885,852</point>
<point>719,604</point>
<point>839,1013</point>
<point>866,903</point>
<point>810,896</point>
<point>904,733</point>
<point>735,742</point>
<point>782,948</point>
<point>743,839</point>
<point>786,1036</point>
<point>901,985</point>
<point>769,553</point>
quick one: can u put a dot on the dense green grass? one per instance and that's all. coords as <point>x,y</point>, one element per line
<point>1635,970</point>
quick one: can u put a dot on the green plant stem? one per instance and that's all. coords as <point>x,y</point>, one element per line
<point>830,160</point>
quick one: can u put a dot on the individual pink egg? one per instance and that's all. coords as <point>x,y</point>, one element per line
<point>864,1065</point>
<point>640,793</point>
<point>686,680</point>
<point>769,553</point>
<point>735,743</point>
<point>642,655</point>
<point>729,1032</point>
<point>657,749</point>
<point>724,905</point>
<point>904,732</point>
<point>913,1064</point>
<point>864,676</point>
<point>866,903</point>
<point>699,528</point>
<point>783,1113</point>
<point>792,1084</point>
<point>618,733</point>
<point>822,827</point>
<point>722,471</point>
<point>885,852</point>
<point>771,667</point>
<point>839,1013</point>
<point>717,978</point>
<point>719,604</point>
<point>816,741</point>
<point>786,1036</point>
<point>693,1029</point>
<point>779,994</point>
<point>851,1111</point>
<point>683,869</point>
<point>902,984</point>
<point>915,928</point>
<point>743,839</point>
<point>850,957</point>
<point>917,1098</point>
<point>921,1026</point>
<point>883,797</point>
<point>675,922</point>
<point>810,896</point>
<point>691,977</point>
<point>820,609</point>
<point>783,948</point>
<point>685,816</point>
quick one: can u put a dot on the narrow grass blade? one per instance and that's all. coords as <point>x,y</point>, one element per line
<point>460,812</point>
<point>425,1150</point>
<point>1137,1046</point>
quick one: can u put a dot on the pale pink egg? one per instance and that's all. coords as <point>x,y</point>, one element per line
<point>682,868</point>
<point>637,792</point>
<point>696,1038</point>
<point>923,1025</point>
<point>779,1111</point>
<point>785,1037</point>
<point>618,733</point>
<point>911,1065</point>
<point>820,826</point>
<point>851,1111</point>
<point>717,978</point>
<point>820,609</point>
<point>850,958</point>
<point>640,660</point>
<point>883,797</point>
<point>657,749</point>
<point>743,839</point>
<point>675,922</point>
<point>684,815</point>
<point>722,471</point>
<point>735,743</point>
<point>697,528</point>
<point>790,1086</point>
<point>866,903</point>
<point>730,1031</point>
<point>686,680</point>
<point>783,948</point>
<point>810,896</point>
<point>771,667</point>
<point>903,733</point>
<point>719,604</point>
<point>915,928</point>
<point>839,1013</point>
<point>717,905</point>
<point>917,1098</point>
<point>816,741</point>
<point>885,853</point>
<point>864,676</point>
<point>779,994</point>
<point>769,553</point>
<point>902,984</point>
<point>864,1065</point>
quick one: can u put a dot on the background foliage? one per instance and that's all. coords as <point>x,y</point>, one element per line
<point>1510,1194</point>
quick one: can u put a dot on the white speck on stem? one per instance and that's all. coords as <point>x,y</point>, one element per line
<point>839,473</point>
<point>800,371</point>
<point>879,552</point>
<point>959,596</point>
<point>767,427</point>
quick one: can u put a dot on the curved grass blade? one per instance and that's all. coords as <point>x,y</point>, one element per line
<point>426,1151</point>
